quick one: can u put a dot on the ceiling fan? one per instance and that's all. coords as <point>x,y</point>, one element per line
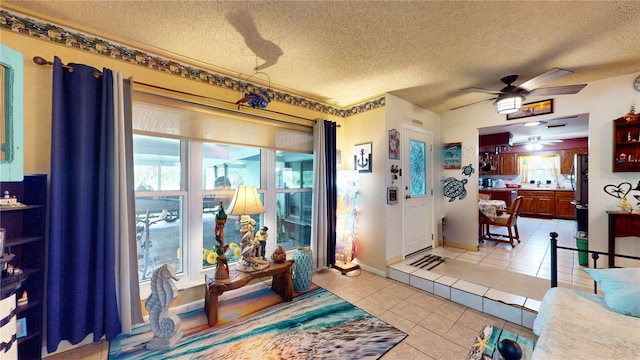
<point>509,98</point>
<point>536,142</point>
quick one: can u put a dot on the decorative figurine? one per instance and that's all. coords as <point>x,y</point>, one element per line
<point>625,206</point>
<point>222,270</point>
<point>249,262</point>
<point>258,100</point>
<point>165,327</point>
<point>262,236</point>
<point>279,255</point>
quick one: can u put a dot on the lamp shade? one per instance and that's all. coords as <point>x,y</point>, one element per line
<point>508,103</point>
<point>246,201</point>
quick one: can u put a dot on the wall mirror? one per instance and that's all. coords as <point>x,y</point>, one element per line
<point>11,114</point>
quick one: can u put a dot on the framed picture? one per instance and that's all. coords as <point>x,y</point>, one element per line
<point>21,328</point>
<point>452,153</point>
<point>362,158</point>
<point>533,109</point>
<point>394,144</point>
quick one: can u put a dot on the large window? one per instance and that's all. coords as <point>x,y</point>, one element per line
<point>159,203</point>
<point>294,181</point>
<point>224,168</point>
<point>184,180</point>
<point>539,168</point>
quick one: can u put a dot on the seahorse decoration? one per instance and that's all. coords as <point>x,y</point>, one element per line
<point>164,326</point>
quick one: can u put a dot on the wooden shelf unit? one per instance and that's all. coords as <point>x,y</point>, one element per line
<point>25,238</point>
<point>626,145</point>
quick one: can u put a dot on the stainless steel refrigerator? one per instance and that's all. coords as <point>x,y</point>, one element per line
<point>580,182</point>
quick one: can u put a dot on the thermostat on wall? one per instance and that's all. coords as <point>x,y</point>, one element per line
<point>392,195</point>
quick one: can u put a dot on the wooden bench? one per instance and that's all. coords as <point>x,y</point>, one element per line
<point>282,284</point>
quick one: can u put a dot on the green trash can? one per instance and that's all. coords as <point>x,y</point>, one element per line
<point>582,243</point>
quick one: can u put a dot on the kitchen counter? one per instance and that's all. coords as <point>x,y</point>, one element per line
<point>524,188</point>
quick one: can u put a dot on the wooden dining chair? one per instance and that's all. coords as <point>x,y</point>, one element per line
<point>484,196</point>
<point>508,219</point>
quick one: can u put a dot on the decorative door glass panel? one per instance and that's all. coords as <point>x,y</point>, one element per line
<point>417,171</point>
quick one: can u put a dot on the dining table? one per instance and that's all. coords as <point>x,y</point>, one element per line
<point>490,209</point>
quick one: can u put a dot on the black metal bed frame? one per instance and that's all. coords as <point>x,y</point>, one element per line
<point>595,255</point>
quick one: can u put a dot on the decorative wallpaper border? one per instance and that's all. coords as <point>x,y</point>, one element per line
<point>49,32</point>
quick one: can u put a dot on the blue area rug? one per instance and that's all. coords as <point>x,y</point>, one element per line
<point>315,325</point>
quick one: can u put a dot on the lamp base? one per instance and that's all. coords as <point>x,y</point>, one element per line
<point>250,267</point>
<point>345,267</point>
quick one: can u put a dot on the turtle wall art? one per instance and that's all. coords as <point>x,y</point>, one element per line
<point>454,188</point>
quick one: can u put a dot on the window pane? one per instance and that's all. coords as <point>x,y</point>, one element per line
<point>231,230</point>
<point>158,233</point>
<point>225,166</point>
<point>417,172</point>
<point>157,163</point>
<point>294,170</point>
<point>294,219</point>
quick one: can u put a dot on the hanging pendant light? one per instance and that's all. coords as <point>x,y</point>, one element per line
<point>508,103</point>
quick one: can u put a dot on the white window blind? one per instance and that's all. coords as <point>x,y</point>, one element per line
<point>160,116</point>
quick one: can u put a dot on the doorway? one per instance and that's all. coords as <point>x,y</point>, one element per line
<point>417,190</point>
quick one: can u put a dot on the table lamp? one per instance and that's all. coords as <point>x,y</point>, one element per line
<point>246,202</point>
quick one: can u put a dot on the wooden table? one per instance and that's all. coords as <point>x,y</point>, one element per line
<point>282,284</point>
<point>491,208</point>
<point>621,224</point>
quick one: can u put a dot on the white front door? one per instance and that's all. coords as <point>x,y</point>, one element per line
<point>417,191</point>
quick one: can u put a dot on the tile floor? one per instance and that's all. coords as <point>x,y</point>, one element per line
<point>532,255</point>
<point>437,328</point>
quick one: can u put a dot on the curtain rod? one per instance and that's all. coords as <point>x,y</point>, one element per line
<point>42,61</point>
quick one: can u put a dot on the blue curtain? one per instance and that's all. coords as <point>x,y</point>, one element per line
<point>332,190</point>
<point>81,287</point>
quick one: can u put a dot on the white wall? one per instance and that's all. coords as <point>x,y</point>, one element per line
<point>399,114</point>
<point>604,100</point>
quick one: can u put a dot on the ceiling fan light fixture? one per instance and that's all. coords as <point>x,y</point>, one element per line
<point>508,103</point>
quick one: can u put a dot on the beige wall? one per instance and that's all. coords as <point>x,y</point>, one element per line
<point>37,91</point>
<point>358,129</point>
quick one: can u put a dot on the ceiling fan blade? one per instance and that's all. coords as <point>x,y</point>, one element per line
<point>544,78</point>
<point>473,103</point>
<point>482,90</point>
<point>557,90</point>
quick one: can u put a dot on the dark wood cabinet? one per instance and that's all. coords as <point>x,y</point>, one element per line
<point>566,159</point>
<point>537,203</point>
<point>621,225</point>
<point>564,208</point>
<point>508,164</point>
<point>626,145</point>
<point>25,239</point>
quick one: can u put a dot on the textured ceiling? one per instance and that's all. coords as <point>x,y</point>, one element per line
<point>345,52</point>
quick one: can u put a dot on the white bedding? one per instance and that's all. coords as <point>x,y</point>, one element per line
<point>573,324</point>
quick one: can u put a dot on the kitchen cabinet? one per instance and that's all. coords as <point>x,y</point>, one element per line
<point>626,145</point>
<point>508,164</point>
<point>24,227</point>
<point>566,159</point>
<point>564,208</point>
<point>501,164</point>
<point>537,203</point>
